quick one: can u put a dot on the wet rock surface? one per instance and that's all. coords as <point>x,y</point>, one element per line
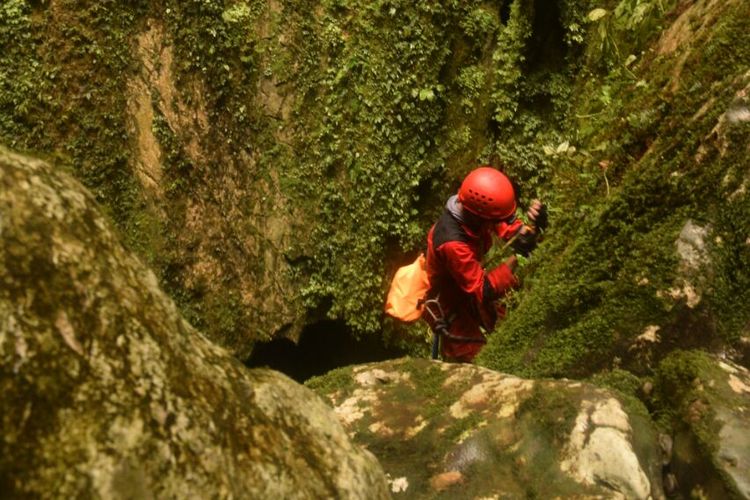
<point>109,393</point>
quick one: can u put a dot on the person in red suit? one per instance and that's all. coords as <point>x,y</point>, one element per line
<point>465,291</point>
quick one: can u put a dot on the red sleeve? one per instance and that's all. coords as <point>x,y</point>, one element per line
<point>507,231</point>
<point>467,271</point>
<point>501,279</point>
<point>464,267</point>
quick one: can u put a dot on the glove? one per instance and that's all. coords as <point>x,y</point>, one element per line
<point>537,215</point>
<point>526,241</point>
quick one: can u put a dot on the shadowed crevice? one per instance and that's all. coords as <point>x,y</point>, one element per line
<point>322,347</point>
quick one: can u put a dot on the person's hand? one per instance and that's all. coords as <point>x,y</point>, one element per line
<point>525,241</point>
<point>537,215</point>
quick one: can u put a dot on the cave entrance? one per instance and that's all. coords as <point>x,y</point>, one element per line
<point>322,347</point>
<point>546,50</point>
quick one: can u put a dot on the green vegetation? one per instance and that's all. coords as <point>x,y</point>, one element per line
<point>331,382</point>
<point>553,412</point>
<point>60,96</point>
<point>693,397</point>
<point>644,161</point>
<point>409,420</point>
<point>374,125</point>
<point>447,75</point>
<point>354,121</point>
<point>628,388</point>
<point>64,91</point>
<point>401,405</point>
<point>547,416</point>
<point>345,125</point>
<point>678,380</point>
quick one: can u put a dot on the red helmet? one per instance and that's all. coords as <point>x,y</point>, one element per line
<point>488,193</point>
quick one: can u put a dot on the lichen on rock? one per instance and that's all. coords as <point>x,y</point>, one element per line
<point>484,434</point>
<point>602,427</point>
<point>108,392</point>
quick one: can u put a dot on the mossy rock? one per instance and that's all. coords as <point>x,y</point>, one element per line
<point>707,402</point>
<point>460,431</point>
<point>648,244</point>
<point>109,393</point>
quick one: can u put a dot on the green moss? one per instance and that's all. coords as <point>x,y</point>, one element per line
<point>582,302</point>
<point>691,389</point>
<point>677,379</point>
<point>545,420</point>
<point>553,410</point>
<point>600,278</point>
<point>729,248</point>
<point>62,93</point>
<point>370,139</point>
<point>628,388</point>
<point>332,382</point>
<point>508,57</point>
<point>177,165</point>
<point>430,379</point>
<point>620,380</point>
<point>385,108</point>
<point>18,62</point>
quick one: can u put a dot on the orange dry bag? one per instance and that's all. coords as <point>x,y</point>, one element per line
<point>408,289</point>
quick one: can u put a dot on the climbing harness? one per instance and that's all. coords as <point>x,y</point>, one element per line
<point>440,327</point>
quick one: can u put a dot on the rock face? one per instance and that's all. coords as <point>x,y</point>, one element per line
<point>108,392</point>
<point>658,257</point>
<point>469,432</point>
<point>711,399</point>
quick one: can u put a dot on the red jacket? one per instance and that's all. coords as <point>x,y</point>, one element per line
<point>466,291</point>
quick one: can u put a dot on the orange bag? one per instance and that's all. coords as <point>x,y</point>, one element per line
<point>408,288</point>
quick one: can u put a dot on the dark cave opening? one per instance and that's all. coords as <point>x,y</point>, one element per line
<point>545,60</point>
<point>546,50</point>
<point>322,347</point>
<point>505,11</point>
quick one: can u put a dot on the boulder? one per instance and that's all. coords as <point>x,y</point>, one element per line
<point>108,392</point>
<point>469,432</point>
<point>710,400</point>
